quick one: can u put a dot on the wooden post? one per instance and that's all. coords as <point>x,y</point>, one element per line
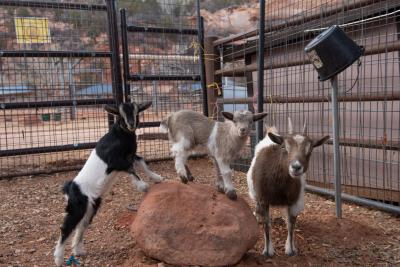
<point>211,55</point>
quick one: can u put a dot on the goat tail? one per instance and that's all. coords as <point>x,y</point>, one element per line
<point>66,187</point>
<point>73,193</point>
<point>164,125</point>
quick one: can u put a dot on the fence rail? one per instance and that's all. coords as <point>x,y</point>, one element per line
<point>369,95</point>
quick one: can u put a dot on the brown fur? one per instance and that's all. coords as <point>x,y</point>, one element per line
<point>277,179</point>
<point>272,182</point>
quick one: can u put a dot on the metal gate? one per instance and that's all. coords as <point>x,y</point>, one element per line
<point>60,63</point>
<point>163,61</point>
<point>54,81</point>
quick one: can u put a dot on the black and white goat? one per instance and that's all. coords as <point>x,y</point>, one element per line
<point>114,153</point>
<point>277,178</point>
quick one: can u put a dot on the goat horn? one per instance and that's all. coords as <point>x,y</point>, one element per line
<point>290,126</point>
<point>305,127</point>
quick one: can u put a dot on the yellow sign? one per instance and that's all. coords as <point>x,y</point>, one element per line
<point>32,30</point>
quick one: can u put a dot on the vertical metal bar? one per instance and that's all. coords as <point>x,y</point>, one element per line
<point>125,53</point>
<point>336,149</point>
<point>115,62</point>
<point>200,26</point>
<point>114,46</point>
<point>249,81</point>
<point>260,79</point>
<point>210,63</point>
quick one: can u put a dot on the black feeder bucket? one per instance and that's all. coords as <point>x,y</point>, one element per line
<point>332,51</point>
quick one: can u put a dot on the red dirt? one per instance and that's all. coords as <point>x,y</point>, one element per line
<point>31,211</point>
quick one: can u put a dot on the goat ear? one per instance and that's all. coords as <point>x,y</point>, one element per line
<point>112,109</point>
<point>321,141</point>
<point>277,139</point>
<point>259,116</point>
<point>144,106</point>
<point>227,115</point>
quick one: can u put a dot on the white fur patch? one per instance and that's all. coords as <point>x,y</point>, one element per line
<point>299,138</point>
<point>179,151</point>
<point>266,142</point>
<point>123,114</point>
<point>153,176</point>
<point>163,128</point>
<point>92,179</point>
<point>298,206</point>
<point>226,173</point>
<point>250,185</point>
<point>142,186</point>
<point>288,247</point>
<point>59,254</point>
<point>212,140</point>
<point>270,251</point>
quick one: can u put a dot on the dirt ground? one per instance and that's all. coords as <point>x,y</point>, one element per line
<point>31,211</point>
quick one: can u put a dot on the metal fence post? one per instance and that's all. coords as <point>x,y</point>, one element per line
<point>336,149</point>
<point>115,61</point>
<point>125,54</point>
<point>114,47</point>
<point>200,27</point>
<point>211,64</point>
<point>260,79</point>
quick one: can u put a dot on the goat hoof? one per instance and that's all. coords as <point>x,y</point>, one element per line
<point>189,174</point>
<point>231,194</point>
<point>158,179</point>
<point>184,179</point>
<point>58,261</point>
<point>267,253</point>
<point>143,186</point>
<point>291,252</point>
<point>220,188</point>
<point>79,253</point>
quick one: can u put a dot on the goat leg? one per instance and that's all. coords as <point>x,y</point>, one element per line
<point>180,164</point>
<point>290,249</point>
<point>189,174</point>
<point>263,211</point>
<point>139,161</point>
<point>219,183</point>
<point>142,186</point>
<point>226,173</point>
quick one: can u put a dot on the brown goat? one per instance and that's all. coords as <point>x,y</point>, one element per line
<point>277,178</point>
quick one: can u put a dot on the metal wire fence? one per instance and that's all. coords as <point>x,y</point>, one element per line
<point>55,72</point>
<point>59,64</point>
<point>368,93</point>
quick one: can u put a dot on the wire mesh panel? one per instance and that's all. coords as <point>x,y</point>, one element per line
<point>55,74</point>
<point>162,65</point>
<point>368,92</point>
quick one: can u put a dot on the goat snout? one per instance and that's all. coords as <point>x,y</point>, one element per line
<point>242,131</point>
<point>296,168</point>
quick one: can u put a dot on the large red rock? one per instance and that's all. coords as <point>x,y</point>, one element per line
<point>193,224</point>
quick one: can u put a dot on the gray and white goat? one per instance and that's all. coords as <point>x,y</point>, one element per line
<point>277,178</point>
<point>188,129</point>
